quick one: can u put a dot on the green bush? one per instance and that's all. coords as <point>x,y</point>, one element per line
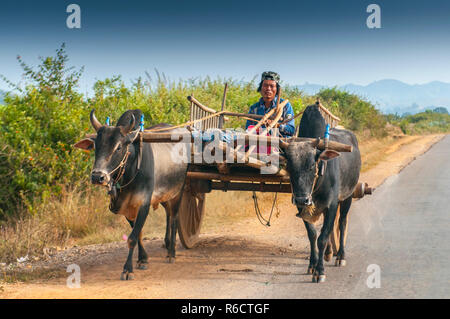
<point>37,129</point>
<point>355,113</point>
<point>429,121</point>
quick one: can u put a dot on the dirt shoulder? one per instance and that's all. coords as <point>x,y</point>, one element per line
<point>396,156</point>
<point>236,260</point>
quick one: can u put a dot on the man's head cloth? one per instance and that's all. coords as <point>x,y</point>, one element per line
<point>270,75</point>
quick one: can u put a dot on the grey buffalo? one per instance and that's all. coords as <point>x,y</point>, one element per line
<point>321,181</point>
<point>138,175</point>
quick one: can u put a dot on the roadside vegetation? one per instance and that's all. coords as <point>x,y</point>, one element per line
<point>430,121</point>
<point>45,196</point>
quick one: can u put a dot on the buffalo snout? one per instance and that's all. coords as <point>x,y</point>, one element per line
<point>99,178</point>
<point>303,201</point>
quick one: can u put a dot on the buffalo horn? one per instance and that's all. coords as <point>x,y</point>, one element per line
<point>95,123</point>
<point>315,142</point>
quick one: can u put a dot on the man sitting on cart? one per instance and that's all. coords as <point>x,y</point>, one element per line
<point>269,88</point>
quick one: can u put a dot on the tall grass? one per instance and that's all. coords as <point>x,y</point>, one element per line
<point>80,217</point>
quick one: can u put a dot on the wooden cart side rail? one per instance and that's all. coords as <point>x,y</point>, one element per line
<point>324,109</point>
<point>225,113</point>
<point>329,117</point>
<point>200,105</point>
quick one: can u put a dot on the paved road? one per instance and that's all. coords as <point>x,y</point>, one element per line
<point>404,228</point>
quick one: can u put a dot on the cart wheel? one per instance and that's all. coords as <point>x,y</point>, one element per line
<point>335,234</point>
<point>190,217</point>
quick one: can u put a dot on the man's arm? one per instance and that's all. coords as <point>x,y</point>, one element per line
<point>288,129</point>
<point>249,122</point>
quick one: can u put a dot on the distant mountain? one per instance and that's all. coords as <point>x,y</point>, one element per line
<point>392,96</point>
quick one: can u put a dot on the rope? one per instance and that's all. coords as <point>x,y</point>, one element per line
<point>114,185</point>
<point>261,218</point>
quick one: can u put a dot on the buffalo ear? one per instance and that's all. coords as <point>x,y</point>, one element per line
<point>127,129</point>
<point>85,144</point>
<point>328,154</point>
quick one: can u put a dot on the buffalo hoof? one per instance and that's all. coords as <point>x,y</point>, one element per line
<point>127,276</point>
<point>341,262</point>
<point>142,265</point>
<point>318,278</point>
<point>328,257</point>
<point>170,259</point>
<point>310,270</point>
<point>321,278</point>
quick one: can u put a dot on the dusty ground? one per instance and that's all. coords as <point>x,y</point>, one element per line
<point>239,260</point>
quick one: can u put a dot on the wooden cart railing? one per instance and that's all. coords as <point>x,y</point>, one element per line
<point>199,111</point>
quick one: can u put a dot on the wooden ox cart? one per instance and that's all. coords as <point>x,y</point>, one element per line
<point>202,178</point>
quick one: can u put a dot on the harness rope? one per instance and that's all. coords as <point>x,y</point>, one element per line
<point>114,185</point>
<point>259,215</point>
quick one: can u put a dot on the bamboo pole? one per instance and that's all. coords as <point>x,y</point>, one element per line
<point>266,116</point>
<point>238,177</point>
<point>149,137</point>
<point>223,105</point>
<point>279,111</point>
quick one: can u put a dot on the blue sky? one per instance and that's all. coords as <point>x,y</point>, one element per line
<point>324,42</point>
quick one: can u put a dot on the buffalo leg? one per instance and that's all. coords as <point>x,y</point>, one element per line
<point>142,254</point>
<point>344,209</point>
<point>328,251</point>
<point>328,223</point>
<point>167,236</point>
<point>174,206</point>
<point>312,236</point>
<point>133,239</point>
<point>167,208</point>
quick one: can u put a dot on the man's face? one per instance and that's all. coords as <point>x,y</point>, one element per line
<point>269,90</point>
